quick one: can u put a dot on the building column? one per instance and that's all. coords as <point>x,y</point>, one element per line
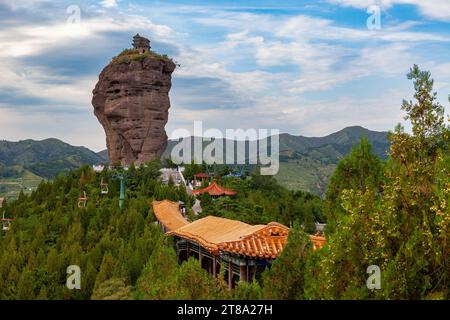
<point>200,256</point>
<point>243,273</point>
<point>230,275</point>
<point>214,267</point>
<point>178,251</point>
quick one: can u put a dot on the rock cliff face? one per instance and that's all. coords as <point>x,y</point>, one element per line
<point>131,101</point>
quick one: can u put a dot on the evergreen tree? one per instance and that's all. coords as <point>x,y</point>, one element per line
<point>403,230</point>
<point>360,170</point>
<point>285,279</point>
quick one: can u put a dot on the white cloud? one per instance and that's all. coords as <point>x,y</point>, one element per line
<point>24,4</point>
<point>33,39</point>
<point>76,129</point>
<point>108,3</point>
<point>314,55</point>
<point>304,27</point>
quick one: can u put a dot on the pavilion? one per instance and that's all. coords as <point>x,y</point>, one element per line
<point>214,190</point>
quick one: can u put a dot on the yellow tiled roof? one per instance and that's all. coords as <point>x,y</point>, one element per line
<point>219,234</point>
<point>168,213</point>
<point>214,234</point>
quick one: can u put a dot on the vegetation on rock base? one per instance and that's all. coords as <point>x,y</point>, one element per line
<point>129,55</point>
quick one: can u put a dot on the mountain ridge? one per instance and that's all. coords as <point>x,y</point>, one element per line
<point>306,163</point>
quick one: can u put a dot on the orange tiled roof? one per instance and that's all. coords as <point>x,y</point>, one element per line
<point>215,190</point>
<point>168,213</point>
<point>317,241</point>
<point>220,234</point>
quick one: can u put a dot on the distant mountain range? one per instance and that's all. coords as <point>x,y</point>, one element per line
<point>45,158</point>
<point>306,162</point>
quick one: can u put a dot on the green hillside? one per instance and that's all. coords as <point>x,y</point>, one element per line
<point>122,251</point>
<point>25,163</point>
<point>306,163</point>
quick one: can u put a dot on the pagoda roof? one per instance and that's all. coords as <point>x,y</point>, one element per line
<point>215,190</point>
<point>168,213</point>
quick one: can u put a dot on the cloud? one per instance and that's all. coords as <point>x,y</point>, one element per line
<point>77,129</point>
<point>301,73</point>
<point>311,28</point>
<point>33,39</point>
<point>108,3</point>
<point>203,93</point>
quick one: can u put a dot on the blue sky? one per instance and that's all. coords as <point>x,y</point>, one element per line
<point>303,67</point>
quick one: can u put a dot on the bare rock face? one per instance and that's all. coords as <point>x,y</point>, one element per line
<point>131,101</point>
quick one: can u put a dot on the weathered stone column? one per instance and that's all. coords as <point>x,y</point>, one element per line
<point>131,102</point>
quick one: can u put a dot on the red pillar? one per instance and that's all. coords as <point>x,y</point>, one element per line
<point>214,267</point>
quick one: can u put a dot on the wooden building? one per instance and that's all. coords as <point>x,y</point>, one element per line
<point>239,249</point>
<point>242,250</point>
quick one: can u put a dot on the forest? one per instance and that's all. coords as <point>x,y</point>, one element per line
<point>390,213</point>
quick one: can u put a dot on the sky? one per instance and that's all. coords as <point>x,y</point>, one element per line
<point>304,67</point>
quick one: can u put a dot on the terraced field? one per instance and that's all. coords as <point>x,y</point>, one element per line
<point>10,188</point>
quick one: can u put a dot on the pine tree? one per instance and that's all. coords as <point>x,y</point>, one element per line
<point>360,170</point>
<point>285,279</point>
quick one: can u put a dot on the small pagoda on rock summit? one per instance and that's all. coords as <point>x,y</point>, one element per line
<point>140,43</point>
